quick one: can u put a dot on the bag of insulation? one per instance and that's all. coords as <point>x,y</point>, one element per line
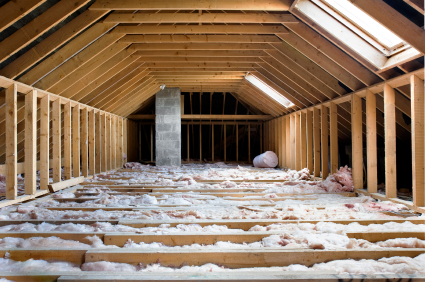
<point>267,159</point>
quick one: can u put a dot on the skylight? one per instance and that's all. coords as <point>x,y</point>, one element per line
<point>268,90</point>
<point>362,20</point>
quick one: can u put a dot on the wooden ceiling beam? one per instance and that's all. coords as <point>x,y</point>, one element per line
<point>79,43</point>
<point>76,62</point>
<point>202,59</point>
<point>327,48</point>
<point>41,24</point>
<point>289,77</point>
<point>210,74</point>
<point>127,83</point>
<point>199,39</point>
<point>13,11</point>
<point>108,80</point>
<point>201,29</point>
<point>202,46</point>
<point>418,5</point>
<point>198,53</point>
<point>199,65</point>
<point>93,77</point>
<point>183,69</point>
<point>275,78</point>
<point>310,66</point>
<point>137,99</point>
<point>127,95</point>
<point>129,5</point>
<point>260,18</point>
<point>51,43</point>
<point>394,21</point>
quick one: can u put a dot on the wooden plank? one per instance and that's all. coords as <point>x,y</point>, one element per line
<point>199,53</point>
<point>76,140</point>
<point>418,5</point>
<point>32,30</point>
<point>333,137</point>
<point>108,143</point>
<point>54,41</point>
<point>309,137</point>
<point>11,142</point>
<point>357,141</point>
<point>30,142</point>
<point>199,42</point>
<point>92,144</point>
<point>44,141</point>
<point>241,258</point>
<point>417,101</point>
<point>13,11</point>
<point>104,143</point>
<point>67,165</point>
<point>201,29</point>
<point>113,142</point>
<point>316,134</point>
<point>54,187</point>
<point>283,140</point>
<point>84,143</point>
<point>390,143</point>
<point>303,147</point>
<point>293,142</point>
<point>324,142</point>
<point>288,142</point>
<point>372,162</point>
<point>56,133</point>
<point>129,5</point>
<point>98,142</point>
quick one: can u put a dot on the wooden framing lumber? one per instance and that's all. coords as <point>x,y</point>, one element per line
<point>44,141</point>
<point>67,141</point>
<point>201,29</point>
<point>372,162</point>
<point>56,133</point>
<point>76,141</point>
<point>316,143</point>
<point>11,143</point>
<point>84,143</point>
<point>357,141</point>
<point>273,5</point>
<point>30,142</point>
<point>324,140</point>
<point>54,187</point>
<point>417,100</point>
<point>390,143</point>
<point>333,120</point>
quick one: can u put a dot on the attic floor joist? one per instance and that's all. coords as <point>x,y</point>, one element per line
<point>117,232</point>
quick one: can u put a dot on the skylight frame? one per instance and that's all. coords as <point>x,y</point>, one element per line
<point>349,37</point>
<point>268,90</point>
<point>369,34</point>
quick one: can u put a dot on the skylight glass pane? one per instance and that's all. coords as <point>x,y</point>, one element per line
<point>365,22</point>
<point>268,90</point>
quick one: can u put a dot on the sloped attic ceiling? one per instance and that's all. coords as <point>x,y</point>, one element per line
<point>115,54</point>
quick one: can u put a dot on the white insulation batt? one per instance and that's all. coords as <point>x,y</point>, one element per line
<point>267,159</point>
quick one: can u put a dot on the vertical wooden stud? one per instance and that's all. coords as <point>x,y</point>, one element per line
<point>103,141</point>
<point>309,137</point>
<point>297,146</point>
<point>56,132</point>
<point>67,142</point>
<point>188,143</point>
<point>316,135</point>
<point>30,142</point>
<point>325,141</point>
<point>120,141</point>
<point>125,144</point>
<point>283,141</point>
<point>108,142</point>
<point>372,163</point>
<point>84,143</point>
<point>76,140</point>
<point>261,136</point>
<point>98,143</point>
<point>200,140</point>
<point>293,147</point>
<point>113,142</point>
<point>92,144</point>
<point>357,141</point>
<point>303,147</point>
<point>333,137</point>
<point>11,143</point>
<point>44,141</point>
<point>288,142</point>
<point>417,105</point>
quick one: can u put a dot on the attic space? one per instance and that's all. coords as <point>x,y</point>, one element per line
<point>225,140</point>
